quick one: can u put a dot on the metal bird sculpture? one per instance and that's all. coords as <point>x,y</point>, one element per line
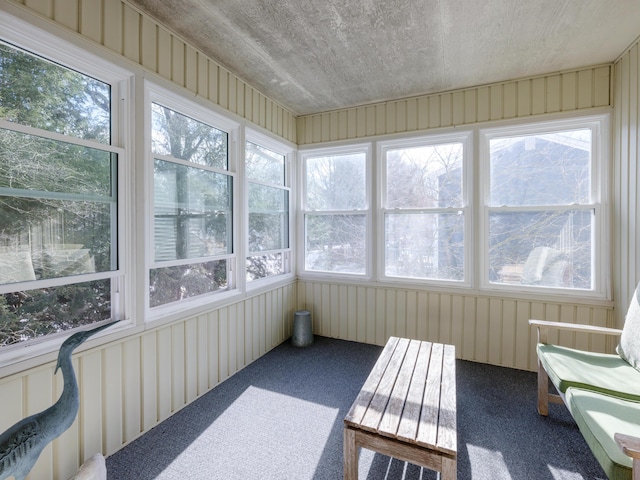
<point>21,444</point>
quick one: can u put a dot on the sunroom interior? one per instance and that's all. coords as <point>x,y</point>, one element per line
<point>169,349</point>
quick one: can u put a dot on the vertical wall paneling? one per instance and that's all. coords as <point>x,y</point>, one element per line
<point>90,417</point>
<point>113,392</point>
<point>484,329</point>
<point>164,373</point>
<point>524,340</point>
<point>113,22</point>
<point>44,7</point>
<point>91,19</point>
<point>131,39</point>
<point>131,390</point>
<point>191,362</point>
<point>149,44</point>
<point>66,13</point>
<point>149,403</point>
<point>223,344</point>
<point>203,355</point>
<point>191,69</point>
<point>626,178</point>
<point>569,91</point>
<point>212,348</point>
<point>177,61</point>
<point>164,53</point>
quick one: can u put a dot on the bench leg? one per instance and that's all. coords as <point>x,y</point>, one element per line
<point>449,469</point>
<point>543,390</point>
<point>350,455</point>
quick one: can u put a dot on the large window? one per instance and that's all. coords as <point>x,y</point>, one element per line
<point>336,211</point>
<point>59,206</point>
<point>268,212</point>
<point>542,211</point>
<point>424,208</point>
<point>192,206</point>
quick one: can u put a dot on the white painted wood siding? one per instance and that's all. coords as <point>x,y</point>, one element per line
<point>126,31</point>
<point>561,92</point>
<point>129,386</point>
<point>483,329</point>
<point>626,179</point>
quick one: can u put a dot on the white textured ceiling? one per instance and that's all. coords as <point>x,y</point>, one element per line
<point>316,56</point>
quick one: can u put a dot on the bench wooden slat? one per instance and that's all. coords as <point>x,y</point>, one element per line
<point>408,428</point>
<point>396,406</point>
<point>362,401</point>
<point>378,405</point>
<point>407,408</point>
<point>447,425</point>
<point>427,429</point>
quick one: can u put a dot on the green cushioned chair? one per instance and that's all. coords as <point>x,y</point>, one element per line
<point>602,391</point>
<point>601,372</point>
<point>600,417</point>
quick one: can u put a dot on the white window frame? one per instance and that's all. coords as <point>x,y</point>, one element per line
<point>54,47</point>
<point>266,141</point>
<point>463,137</point>
<point>175,100</point>
<point>304,155</point>
<point>600,125</point>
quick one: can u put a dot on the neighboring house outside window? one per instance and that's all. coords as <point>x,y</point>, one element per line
<point>60,154</point>
<point>543,216</point>
<point>193,227</point>
<point>335,211</point>
<point>268,195</point>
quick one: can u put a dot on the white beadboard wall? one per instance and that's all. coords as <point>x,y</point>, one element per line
<point>560,92</point>
<point>129,386</point>
<point>626,179</point>
<point>483,328</point>
<point>126,31</point>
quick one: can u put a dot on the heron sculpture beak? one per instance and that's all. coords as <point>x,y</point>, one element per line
<point>79,337</point>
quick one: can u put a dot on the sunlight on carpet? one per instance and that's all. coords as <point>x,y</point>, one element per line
<point>487,463</point>
<point>561,474</point>
<point>247,429</point>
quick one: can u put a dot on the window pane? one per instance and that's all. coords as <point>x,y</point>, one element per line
<point>58,209</point>
<point>425,177</point>
<point>545,169</point>
<point>41,94</point>
<point>182,137</point>
<point>192,212</point>
<point>425,246</point>
<point>549,248</point>
<point>336,243</point>
<point>29,162</point>
<point>268,218</point>
<point>35,313</point>
<point>53,239</point>
<point>262,266</point>
<point>264,165</point>
<point>171,284</point>
<point>336,182</point>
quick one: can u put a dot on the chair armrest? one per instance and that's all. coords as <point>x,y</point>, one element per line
<point>629,445</point>
<point>544,325</point>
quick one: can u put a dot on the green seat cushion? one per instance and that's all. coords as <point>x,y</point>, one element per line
<point>602,372</point>
<point>629,347</point>
<point>599,417</point>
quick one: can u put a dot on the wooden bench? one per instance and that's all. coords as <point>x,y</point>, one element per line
<point>407,408</point>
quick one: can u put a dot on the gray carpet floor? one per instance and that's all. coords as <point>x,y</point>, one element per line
<point>281,418</point>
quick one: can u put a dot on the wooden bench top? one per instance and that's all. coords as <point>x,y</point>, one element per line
<point>410,395</point>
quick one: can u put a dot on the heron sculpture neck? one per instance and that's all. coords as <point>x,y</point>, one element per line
<point>21,444</point>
